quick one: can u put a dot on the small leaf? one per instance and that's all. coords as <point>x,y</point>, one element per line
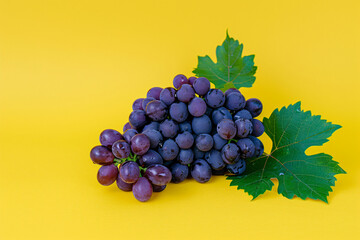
<point>231,70</point>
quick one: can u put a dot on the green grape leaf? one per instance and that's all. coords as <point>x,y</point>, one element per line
<point>231,70</point>
<point>292,131</point>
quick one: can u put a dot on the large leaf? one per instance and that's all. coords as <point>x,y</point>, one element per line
<point>292,131</point>
<point>231,70</point>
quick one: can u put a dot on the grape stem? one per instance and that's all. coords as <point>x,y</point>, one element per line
<point>232,140</point>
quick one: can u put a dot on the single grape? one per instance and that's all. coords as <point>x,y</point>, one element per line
<point>123,185</point>
<point>137,118</point>
<point>137,105</point>
<point>184,140</point>
<point>127,126</point>
<point>107,174</point>
<point>258,128</point>
<point>201,125</point>
<point>244,127</point>
<point>185,127</point>
<point>204,142</point>
<point>235,101</point>
<point>209,111</point>
<point>254,106</point>
<point>197,153</point>
<point>121,149</point>
<point>201,86</point>
<point>146,101</point>
<point>150,158</point>
<point>215,98</point>
<point>179,172</point>
<point>109,136</point>
<point>158,188</point>
<point>247,148</point>
<point>231,90</point>
<point>186,93</point>
<point>226,129</point>
<point>169,163</point>
<point>192,80</point>
<point>237,168</point>
<point>142,189</point>
<point>197,107</point>
<point>152,125</point>
<point>220,114</point>
<point>201,171</point>
<point>167,95</point>
<point>186,156</point>
<point>140,144</point>
<point>154,136</point>
<point>245,114</point>
<point>169,150</point>
<point>128,134</point>
<point>259,146</point>
<point>179,80</point>
<point>154,93</point>
<point>129,171</point>
<point>179,112</point>
<point>219,142</point>
<point>156,110</point>
<point>220,172</point>
<point>158,174</point>
<point>215,160</point>
<point>101,155</point>
<point>230,153</point>
<point>168,128</point>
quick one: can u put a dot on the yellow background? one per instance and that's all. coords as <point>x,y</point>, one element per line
<point>69,69</point>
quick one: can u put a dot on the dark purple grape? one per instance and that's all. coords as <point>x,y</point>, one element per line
<point>109,136</point>
<point>184,140</point>
<point>201,86</point>
<point>197,153</point>
<point>137,105</point>
<point>226,129</point>
<point>192,80</point>
<point>179,80</point>
<point>235,101</point>
<point>151,126</point>
<point>169,163</point>
<point>230,153</point>
<point>254,106</point>
<point>201,125</point>
<point>140,144</point>
<point>186,156</point>
<point>121,149</point>
<point>146,101</point>
<point>168,128</point>
<point>158,174</point>
<point>142,189</point>
<point>154,136</point>
<point>154,93</point>
<point>137,118</point>
<point>156,110</point>
<point>259,146</point>
<point>186,93</point>
<point>244,127</point>
<point>209,111</point>
<point>179,112</point>
<point>127,126</point>
<point>219,142</point>
<point>247,148</point>
<point>201,171</point>
<point>204,142</point>
<point>197,107</point>
<point>237,168</point>
<point>220,114</point>
<point>150,158</point>
<point>129,172</point>
<point>258,128</point>
<point>185,127</point>
<point>215,98</point>
<point>158,188</point>
<point>107,174</point>
<point>215,160</point>
<point>128,134</point>
<point>179,172</point>
<point>167,95</point>
<point>101,155</point>
<point>123,185</point>
<point>245,114</point>
<point>231,90</point>
<point>169,150</point>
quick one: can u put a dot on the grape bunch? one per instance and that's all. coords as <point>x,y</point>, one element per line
<point>189,131</point>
